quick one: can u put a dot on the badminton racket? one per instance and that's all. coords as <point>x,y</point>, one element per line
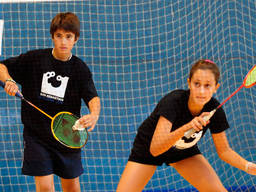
<point>65,126</point>
<point>249,81</point>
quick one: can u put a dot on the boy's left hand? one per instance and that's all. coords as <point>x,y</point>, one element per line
<point>89,120</point>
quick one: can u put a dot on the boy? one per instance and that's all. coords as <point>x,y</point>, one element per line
<point>54,80</point>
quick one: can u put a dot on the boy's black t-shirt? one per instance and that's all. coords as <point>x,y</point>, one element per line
<point>53,86</point>
<point>174,107</point>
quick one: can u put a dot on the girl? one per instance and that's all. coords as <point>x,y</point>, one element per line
<point>160,138</point>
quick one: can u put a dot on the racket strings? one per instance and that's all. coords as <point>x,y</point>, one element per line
<point>251,78</point>
<point>63,131</point>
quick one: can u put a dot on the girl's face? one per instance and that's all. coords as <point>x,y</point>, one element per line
<point>202,86</point>
<point>63,43</point>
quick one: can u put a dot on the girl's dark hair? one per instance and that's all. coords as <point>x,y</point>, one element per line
<point>67,21</point>
<point>204,64</point>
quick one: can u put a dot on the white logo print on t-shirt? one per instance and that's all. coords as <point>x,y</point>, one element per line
<point>53,87</point>
<point>185,142</point>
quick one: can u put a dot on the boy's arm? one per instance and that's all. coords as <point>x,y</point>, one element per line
<point>94,106</point>
<point>4,74</point>
<point>10,85</point>
<point>91,119</point>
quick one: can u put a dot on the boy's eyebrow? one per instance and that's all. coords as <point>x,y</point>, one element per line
<point>200,80</point>
<point>69,32</point>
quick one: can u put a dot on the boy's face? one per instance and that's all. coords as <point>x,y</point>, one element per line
<point>63,42</point>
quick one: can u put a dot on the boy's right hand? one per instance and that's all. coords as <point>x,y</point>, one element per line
<point>11,87</point>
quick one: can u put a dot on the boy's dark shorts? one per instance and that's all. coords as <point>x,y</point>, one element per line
<point>42,160</point>
<point>173,155</point>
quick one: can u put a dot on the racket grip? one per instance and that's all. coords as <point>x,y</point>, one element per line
<point>18,94</point>
<point>206,118</point>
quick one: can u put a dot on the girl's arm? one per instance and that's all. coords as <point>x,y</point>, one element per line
<point>163,139</point>
<point>231,157</point>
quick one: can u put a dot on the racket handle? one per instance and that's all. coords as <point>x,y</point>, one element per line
<point>18,94</point>
<point>206,118</point>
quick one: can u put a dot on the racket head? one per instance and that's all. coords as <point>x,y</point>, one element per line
<point>63,132</point>
<point>250,79</point>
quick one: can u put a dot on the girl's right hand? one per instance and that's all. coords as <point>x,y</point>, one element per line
<point>198,122</point>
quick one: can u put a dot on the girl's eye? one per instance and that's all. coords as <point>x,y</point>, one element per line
<point>197,84</point>
<point>207,85</point>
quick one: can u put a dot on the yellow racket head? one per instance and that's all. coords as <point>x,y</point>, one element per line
<point>250,78</point>
<point>63,132</point>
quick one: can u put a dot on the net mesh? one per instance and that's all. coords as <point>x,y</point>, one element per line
<point>138,51</point>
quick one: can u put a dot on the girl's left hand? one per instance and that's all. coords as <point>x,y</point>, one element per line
<point>251,168</point>
<point>89,120</point>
